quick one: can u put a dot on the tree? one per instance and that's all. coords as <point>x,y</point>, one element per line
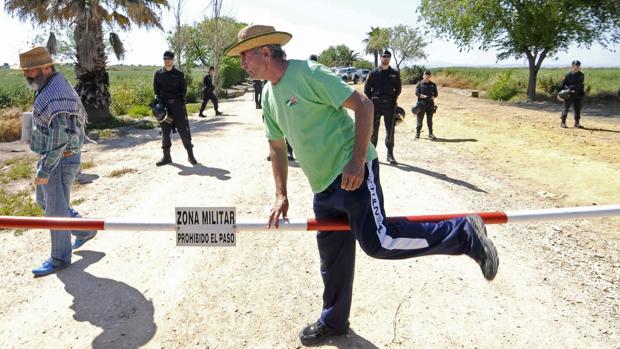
<point>207,41</point>
<point>340,55</point>
<point>406,44</point>
<point>533,30</point>
<point>376,41</point>
<point>88,18</point>
<point>178,37</point>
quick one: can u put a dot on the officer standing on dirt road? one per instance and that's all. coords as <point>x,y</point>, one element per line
<point>383,87</point>
<point>426,90</point>
<point>573,81</point>
<point>335,154</point>
<point>170,88</point>
<point>208,94</point>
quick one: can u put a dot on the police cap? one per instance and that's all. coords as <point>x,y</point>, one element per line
<point>387,53</point>
<point>577,63</point>
<point>168,55</point>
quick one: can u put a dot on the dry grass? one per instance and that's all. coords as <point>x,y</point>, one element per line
<point>451,80</point>
<point>123,171</point>
<point>10,125</point>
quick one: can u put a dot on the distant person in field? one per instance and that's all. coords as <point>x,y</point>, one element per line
<point>426,90</point>
<point>170,88</point>
<point>383,87</point>
<point>573,81</point>
<point>306,103</point>
<point>58,120</point>
<point>208,93</point>
<point>258,90</point>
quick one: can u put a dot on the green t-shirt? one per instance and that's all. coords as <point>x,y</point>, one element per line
<point>305,106</point>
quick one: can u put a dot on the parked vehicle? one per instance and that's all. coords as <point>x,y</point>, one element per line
<point>349,74</point>
<point>363,74</point>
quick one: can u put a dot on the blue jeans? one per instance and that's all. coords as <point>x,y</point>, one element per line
<point>378,238</point>
<point>55,198</point>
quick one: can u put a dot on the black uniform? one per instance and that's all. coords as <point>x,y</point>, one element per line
<point>208,93</point>
<point>258,90</point>
<point>170,88</point>
<point>383,88</point>
<point>574,82</point>
<point>426,105</point>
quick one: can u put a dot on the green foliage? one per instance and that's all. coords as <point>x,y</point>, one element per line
<point>363,64</point>
<point>406,44</point>
<point>412,75</point>
<point>549,83</point>
<point>524,29</point>
<point>193,108</point>
<point>15,169</point>
<point>503,87</point>
<point>18,204</point>
<point>231,72</point>
<point>139,111</point>
<point>336,56</point>
<point>13,90</point>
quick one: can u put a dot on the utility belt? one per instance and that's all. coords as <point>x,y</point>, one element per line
<point>383,100</point>
<point>172,101</point>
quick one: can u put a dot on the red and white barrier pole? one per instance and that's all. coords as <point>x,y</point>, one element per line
<point>13,222</point>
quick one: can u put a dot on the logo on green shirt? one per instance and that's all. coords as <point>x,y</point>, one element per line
<point>291,101</point>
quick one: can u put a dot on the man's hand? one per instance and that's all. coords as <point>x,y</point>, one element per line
<point>352,175</point>
<point>280,207</point>
<point>40,181</point>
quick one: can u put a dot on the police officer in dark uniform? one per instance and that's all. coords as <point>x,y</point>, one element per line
<point>573,81</point>
<point>426,90</point>
<point>208,93</point>
<point>170,88</point>
<point>383,87</point>
<point>258,90</point>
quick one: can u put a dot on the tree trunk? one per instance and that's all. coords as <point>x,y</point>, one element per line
<point>376,54</point>
<point>90,70</point>
<point>534,65</point>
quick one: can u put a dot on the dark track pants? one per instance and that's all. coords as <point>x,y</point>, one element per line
<point>577,103</point>
<point>179,114</point>
<point>378,238</point>
<point>206,97</point>
<point>387,111</point>
<point>429,121</point>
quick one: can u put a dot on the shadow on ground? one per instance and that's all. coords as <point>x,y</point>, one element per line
<point>201,170</point>
<point>351,340</point>
<point>133,136</point>
<point>121,311</point>
<point>441,176</point>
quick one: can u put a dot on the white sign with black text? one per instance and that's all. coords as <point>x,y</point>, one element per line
<point>205,226</point>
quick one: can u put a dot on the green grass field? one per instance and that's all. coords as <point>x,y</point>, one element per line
<point>132,86</point>
<point>599,82</point>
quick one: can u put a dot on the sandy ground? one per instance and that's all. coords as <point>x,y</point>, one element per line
<point>558,284</point>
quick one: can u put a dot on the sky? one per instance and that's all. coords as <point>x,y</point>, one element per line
<point>314,24</point>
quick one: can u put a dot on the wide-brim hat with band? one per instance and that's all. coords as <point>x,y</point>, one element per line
<point>37,57</point>
<point>254,36</point>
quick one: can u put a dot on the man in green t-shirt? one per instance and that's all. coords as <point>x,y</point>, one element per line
<point>306,103</point>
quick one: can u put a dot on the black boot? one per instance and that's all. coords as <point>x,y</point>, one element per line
<point>190,156</point>
<point>218,113</point>
<point>577,124</point>
<point>563,123</point>
<point>166,159</point>
<point>390,157</point>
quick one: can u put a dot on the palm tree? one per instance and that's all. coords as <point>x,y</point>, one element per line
<point>377,39</point>
<point>87,18</point>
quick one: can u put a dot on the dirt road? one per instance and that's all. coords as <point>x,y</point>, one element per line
<point>558,284</point>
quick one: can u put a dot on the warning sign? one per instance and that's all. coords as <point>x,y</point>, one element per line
<point>205,226</point>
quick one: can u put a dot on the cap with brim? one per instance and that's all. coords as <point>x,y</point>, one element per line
<point>256,36</point>
<point>37,57</point>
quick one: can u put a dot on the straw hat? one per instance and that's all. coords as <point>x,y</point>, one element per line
<point>37,57</point>
<point>254,36</point>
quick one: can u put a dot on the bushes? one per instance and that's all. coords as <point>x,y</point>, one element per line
<point>231,72</point>
<point>139,111</point>
<point>126,94</point>
<point>549,84</point>
<point>411,75</point>
<point>503,87</point>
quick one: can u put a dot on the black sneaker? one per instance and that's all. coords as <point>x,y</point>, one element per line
<point>487,259</point>
<point>317,332</point>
